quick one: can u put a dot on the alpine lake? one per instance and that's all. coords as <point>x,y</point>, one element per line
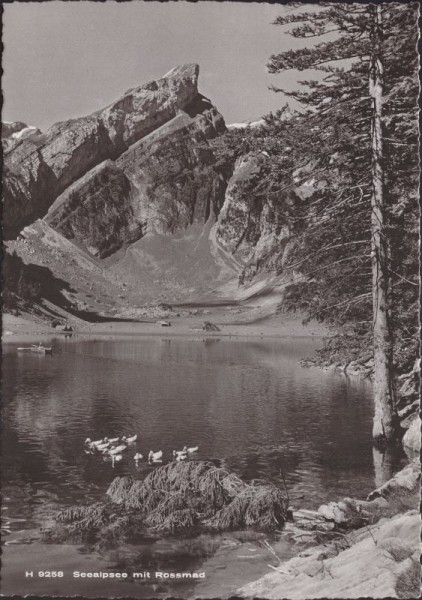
<point>245,402</point>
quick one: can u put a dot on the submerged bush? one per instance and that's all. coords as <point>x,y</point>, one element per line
<point>186,497</point>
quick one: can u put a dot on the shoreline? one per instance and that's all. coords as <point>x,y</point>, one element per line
<point>14,338</point>
<point>364,540</point>
<point>17,329</point>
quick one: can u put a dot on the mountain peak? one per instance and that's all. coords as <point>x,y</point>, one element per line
<point>189,70</point>
<point>175,90</point>
<point>70,149</point>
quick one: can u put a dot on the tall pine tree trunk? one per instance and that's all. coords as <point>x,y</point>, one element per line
<point>384,428</point>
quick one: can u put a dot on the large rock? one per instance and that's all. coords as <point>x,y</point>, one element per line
<point>40,168</point>
<point>376,564</point>
<point>344,513</point>
<point>403,485</point>
<point>412,438</point>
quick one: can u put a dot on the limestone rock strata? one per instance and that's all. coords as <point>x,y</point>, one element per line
<point>39,168</point>
<point>97,211</point>
<point>173,170</point>
<point>253,226</point>
<point>161,184</point>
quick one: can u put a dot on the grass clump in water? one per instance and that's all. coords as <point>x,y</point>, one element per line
<point>190,497</point>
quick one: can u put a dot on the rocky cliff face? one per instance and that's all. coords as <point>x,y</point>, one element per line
<point>173,170</point>
<point>15,132</point>
<point>40,168</point>
<point>162,184</point>
<point>143,171</point>
<point>97,211</point>
<point>253,225</point>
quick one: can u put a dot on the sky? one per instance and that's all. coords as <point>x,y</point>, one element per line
<point>68,59</point>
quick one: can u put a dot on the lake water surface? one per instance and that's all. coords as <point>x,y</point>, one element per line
<point>245,402</point>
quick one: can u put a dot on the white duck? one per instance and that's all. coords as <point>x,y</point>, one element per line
<point>92,444</point>
<point>177,454</point>
<point>116,458</point>
<point>138,456</point>
<point>117,449</point>
<point>155,456</point>
<point>114,440</point>
<point>190,450</point>
<point>102,447</point>
<point>130,439</point>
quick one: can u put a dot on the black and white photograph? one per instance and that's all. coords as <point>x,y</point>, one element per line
<point>210,300</point>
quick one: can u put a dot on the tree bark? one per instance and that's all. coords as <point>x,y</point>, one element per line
<point>384,428</point>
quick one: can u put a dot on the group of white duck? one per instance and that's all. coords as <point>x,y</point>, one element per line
<point>113,448</point>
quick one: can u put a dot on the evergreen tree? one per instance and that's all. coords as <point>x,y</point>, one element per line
<point>363,192</point>
<point>20,288</point>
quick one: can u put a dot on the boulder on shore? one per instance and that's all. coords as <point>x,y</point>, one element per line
<point>375,553</point>
<point>381,562</point>
<point>412,438</point>
<point>208,326</point>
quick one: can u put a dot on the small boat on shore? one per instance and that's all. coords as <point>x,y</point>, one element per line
<point>37,348</point>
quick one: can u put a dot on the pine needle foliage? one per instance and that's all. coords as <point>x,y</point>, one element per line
<point>187,497</point>
<point>326,254</point>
